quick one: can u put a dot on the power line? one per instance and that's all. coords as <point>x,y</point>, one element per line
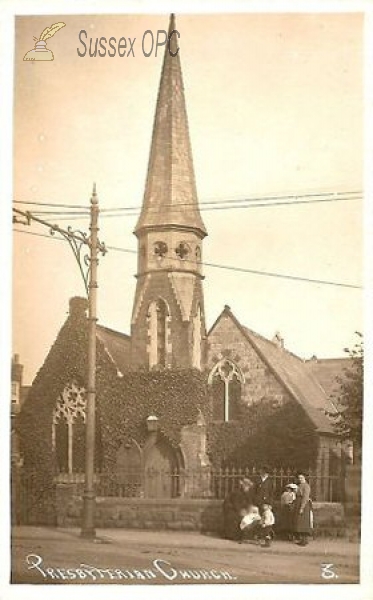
<point>178,209</point>
<point>29,216</point>
<point>45,235</point>
<point>281,197</point>
<point>332,195</point>
<point>225,267</point>
<point>60,212</point>
<point>49,204</point>
<point>253,271</point>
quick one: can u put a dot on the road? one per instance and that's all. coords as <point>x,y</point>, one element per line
<point>46,555</point>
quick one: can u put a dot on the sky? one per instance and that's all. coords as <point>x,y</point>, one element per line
<point>275,107</point>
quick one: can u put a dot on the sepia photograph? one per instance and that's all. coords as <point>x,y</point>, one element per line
<point>187,323</point>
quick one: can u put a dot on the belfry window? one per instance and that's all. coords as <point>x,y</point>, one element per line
<point>226,380</point>
<point>161,332</point>
<point>68,431</point>
<point>196,340</point>
<point>158,317</point>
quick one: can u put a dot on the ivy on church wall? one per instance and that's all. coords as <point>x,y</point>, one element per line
<point>124,401</point>
<point>173,396</point>
<point>278,436</point>
<point>65,363</point>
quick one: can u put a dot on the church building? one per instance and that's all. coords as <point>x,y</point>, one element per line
<point>171,394</point>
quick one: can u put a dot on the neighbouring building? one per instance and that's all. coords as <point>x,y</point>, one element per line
<point>19,394</point>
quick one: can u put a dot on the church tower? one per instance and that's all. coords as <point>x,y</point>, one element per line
<point>168,321</point>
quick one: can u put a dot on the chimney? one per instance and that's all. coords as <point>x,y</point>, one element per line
<point>78,306</point>
<point>278,340</point>
<point>17,369</point>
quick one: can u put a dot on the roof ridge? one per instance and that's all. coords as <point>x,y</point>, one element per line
<point>285,377</point>
<point>283,349</point>
<point>114,331</point>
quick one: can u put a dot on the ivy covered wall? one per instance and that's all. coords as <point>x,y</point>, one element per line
<point>279,435</point>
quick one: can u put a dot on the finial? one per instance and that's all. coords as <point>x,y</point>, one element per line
<point>94,195</point>
<point>172,24</point>
<point>173,47</point>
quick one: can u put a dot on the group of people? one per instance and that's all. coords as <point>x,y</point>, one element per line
<point>248,511</point>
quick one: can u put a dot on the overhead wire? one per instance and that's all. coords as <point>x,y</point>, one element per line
<point>225,267</point>
<point>179,209</point>
<point>333,195</point>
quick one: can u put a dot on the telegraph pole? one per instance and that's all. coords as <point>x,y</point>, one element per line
<point>89,498</point>
<point>88,269</point>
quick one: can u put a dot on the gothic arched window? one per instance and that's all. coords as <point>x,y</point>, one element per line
<point>226,380</point>
<point>68,431</point>
<point>197,339</point>
<point>158,318</point>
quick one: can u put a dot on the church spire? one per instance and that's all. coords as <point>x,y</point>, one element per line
<point>170,197</point>
<point>168,324</point>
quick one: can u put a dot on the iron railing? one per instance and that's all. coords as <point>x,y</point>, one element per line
<point>201,483</point>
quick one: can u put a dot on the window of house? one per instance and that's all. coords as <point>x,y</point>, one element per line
<point>15,392</point>
<point>226,380</point>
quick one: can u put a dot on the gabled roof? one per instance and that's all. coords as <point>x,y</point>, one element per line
<point>292,372</point>
<point>117,345</point>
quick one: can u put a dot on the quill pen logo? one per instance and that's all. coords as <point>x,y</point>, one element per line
<point>41,52</point>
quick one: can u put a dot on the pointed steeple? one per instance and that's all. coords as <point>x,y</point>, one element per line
<point>170,194</point>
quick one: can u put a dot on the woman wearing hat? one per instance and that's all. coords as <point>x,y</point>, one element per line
<point>302,511</point>
<point>287,510</point>
<point>235,506</point>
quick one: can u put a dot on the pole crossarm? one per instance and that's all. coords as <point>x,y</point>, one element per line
<point>76,239</point>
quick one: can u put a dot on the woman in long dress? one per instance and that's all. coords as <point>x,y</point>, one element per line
<point>286,524</point>
<point>234,507</point>
<point>302,511</point>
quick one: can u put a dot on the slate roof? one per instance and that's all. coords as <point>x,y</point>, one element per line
<point>294,375</point>
<point>24,393</point>
<point>326,371</point>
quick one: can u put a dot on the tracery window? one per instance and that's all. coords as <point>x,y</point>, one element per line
<point>182,250</point>
<point>226,379</point>
<point>68,431</point>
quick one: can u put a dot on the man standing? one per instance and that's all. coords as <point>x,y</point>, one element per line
<point>263,489</point>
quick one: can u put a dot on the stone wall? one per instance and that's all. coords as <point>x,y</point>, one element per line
<point>353,490</point>
<point>203,515</point>
<point>226,340</point>
<point>140,513</point>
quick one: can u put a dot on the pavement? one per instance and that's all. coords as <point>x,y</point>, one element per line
<point>132,556</point>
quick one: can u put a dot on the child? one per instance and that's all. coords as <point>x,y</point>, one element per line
<point>267,522</point>
<point>250,521</point>
<point>287,510</point>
